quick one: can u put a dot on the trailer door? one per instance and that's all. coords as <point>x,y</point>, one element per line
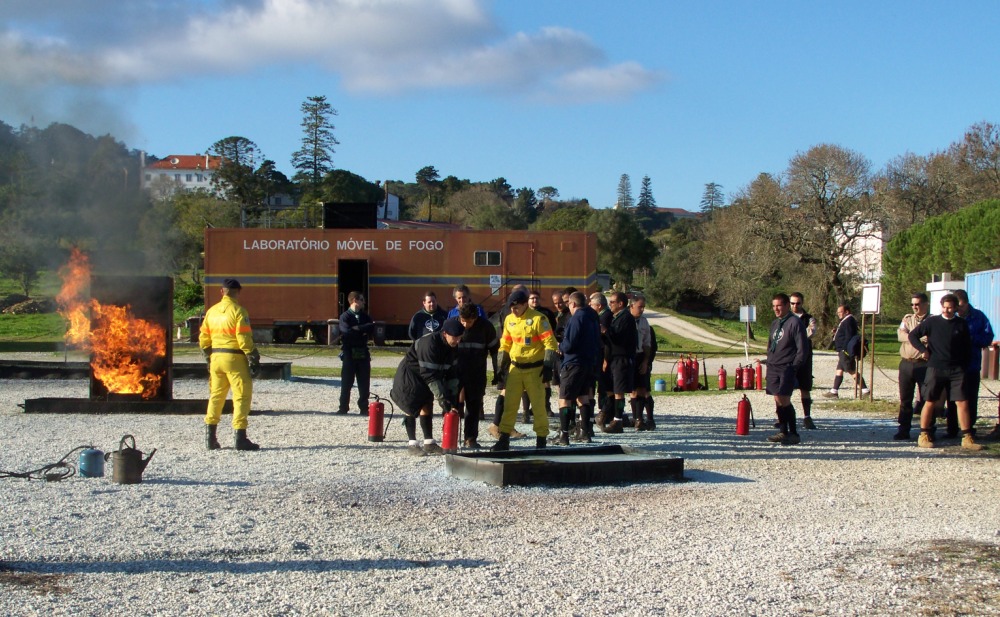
<point>352,275</point>
<point>519,264</point>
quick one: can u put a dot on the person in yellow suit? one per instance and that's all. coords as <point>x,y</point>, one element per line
<point>227,343</point>
<point>527,354</point>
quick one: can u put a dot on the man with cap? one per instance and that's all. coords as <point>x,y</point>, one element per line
<point>226,340</point>
<point>428,373</point>
<point>528,347</point>
<point>355,326</point>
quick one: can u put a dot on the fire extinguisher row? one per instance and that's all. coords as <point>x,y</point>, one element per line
<point>749,377</point>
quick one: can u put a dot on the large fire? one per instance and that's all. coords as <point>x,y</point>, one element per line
<point>122,347</point>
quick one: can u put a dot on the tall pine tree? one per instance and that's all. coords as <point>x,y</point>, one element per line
<point>315,158</point>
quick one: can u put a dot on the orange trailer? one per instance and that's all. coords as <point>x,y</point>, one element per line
<point>294,280</point>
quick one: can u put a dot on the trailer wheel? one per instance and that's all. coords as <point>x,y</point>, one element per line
<point>286,335</point>
<point>320,335</point>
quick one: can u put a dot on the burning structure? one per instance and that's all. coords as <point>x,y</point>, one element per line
<point>124,323</point>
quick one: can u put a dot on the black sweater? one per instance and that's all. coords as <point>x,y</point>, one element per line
<point>948,341</point>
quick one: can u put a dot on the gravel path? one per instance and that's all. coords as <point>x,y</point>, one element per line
<point>323,522</point>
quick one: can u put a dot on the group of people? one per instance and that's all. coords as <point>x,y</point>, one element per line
<point>940,363</point>
<point>597,351</point>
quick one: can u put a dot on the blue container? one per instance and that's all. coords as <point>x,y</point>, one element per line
<point>91,463</point>
<point>660,385</point>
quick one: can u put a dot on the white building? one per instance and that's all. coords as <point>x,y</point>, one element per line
<point>186,172</point>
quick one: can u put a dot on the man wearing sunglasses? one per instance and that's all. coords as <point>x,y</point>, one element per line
<point>912,365</point>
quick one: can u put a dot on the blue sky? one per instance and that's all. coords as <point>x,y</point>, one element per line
<point>569,94</point>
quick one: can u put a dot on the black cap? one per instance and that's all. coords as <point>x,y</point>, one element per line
<point>453,327</point>
<point>518,297</point>
<point>231,284</point>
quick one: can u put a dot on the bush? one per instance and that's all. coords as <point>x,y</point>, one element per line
<point>188,296</point>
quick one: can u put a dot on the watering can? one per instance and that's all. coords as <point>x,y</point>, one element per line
<point>127,462</point>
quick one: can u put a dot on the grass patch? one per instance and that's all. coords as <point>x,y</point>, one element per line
<point>878,406</point>
<point>670,343</point>
<point>40,327</point>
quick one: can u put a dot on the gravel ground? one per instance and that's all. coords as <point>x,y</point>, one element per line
<point>323,522</point>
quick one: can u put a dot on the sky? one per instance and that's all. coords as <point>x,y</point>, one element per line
<point>563,93</point>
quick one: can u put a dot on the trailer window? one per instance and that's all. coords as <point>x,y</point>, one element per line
<point>487,258</point>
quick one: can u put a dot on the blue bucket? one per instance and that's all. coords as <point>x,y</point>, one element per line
<point>91,463</point>
<point>660,385</point>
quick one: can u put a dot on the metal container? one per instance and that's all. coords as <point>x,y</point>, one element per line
<point>91,463</point>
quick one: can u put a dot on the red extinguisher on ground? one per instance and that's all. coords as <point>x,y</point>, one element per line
<point>747,377</point>
<point>449,433</point>
<point>744,417</point>
<point>691,374</point>
<point>738,377</point>
<point>376,412</point>
<point>681,377</point>
<point>759,375</point>
<point>722,378</point>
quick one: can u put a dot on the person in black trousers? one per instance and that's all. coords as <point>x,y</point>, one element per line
<point>787,348</point>
<point>355,327</point>
<point>912,365</point>
<point>479,341</point>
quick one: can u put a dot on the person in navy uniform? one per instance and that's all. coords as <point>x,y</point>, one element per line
<point>428,319</point>
<point>355,327</point>
<point>787,350</point>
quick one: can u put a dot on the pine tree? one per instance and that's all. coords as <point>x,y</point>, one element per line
<point>315,158</point>
<point>646,200</point>
<point>712,198</point>
<point>624,193</point>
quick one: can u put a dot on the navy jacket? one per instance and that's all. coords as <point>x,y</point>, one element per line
<point>581,343</point>
<point>787,343</point>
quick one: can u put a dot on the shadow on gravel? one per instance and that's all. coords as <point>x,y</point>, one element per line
<point>205,566</point>
<point>712,477</point>
<point>319,381</point>
<point>706,437</point>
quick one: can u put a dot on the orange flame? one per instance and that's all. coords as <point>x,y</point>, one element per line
<point>122,347</point>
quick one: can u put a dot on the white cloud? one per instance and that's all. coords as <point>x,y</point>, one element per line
<point>374,46</point>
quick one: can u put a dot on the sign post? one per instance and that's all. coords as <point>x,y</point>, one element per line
<point>871,304</point>
<point>748,315</point>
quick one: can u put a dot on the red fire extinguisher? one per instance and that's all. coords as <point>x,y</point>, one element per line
<point>738,377</point>
<point>449,434</point>
<point>747,377</point>
<point>744,417</point>
<point>376,412</point>
<point>722,378</point>
<point>759,375</point>
<point>691,374</point>
<point>681,377</point>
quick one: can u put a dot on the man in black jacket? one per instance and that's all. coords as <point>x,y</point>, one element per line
<point>581,350</point>
<point>355,327</point>
<point>428,373</point>
<point>428,319</point>
<point>947,352</point>
<point>479,341</point>
<point>623,338</point>
<point>805,374</point>
<point>847,361</point>
<point>786,353</point>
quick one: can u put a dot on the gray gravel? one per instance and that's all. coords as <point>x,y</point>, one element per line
<point>323,522</point>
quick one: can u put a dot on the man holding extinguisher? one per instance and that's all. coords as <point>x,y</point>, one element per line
<point>428,373</point>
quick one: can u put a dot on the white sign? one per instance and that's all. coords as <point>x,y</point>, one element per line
<point>748,314</point>
<point>495,281</point>
<point>871,299</point>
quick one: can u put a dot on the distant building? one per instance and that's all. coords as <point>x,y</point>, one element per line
<point>187,172</point>
<point>679,213</point>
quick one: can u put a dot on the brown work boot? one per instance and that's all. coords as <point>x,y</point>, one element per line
<point>494,431</point>
<point>924,441</point>
<point>639,425</point>
<point>968,443</point>
<point>615,426</point>
<point>516,434</point>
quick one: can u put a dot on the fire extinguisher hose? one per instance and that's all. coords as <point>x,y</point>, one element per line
<point>392,412</point>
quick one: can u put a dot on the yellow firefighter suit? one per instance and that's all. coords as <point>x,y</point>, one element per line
<point>525,339</point>
<point>226,331</point>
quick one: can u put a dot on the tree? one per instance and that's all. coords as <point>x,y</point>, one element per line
<point>624,193</point>
<point>427,178</point>
<point>712,198</point>
<point>547,193</point>
<point>646,200</point>
<point>502,188</point>
<point>526,205</point>
<point>819,216</point>
<point>236,178</point>
<point>978,155</point>
<point>565,219</point>
<point>622,247</point>
<point>962,241</point>
<point>21,258</point>
<point>315,158</point>
<point>917,188</point>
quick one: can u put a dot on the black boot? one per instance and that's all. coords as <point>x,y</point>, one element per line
<point>502,444</point>
<point>243,443</point>
<point>211,441</point>
<point>540,443</point>
<point>650,422</point>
